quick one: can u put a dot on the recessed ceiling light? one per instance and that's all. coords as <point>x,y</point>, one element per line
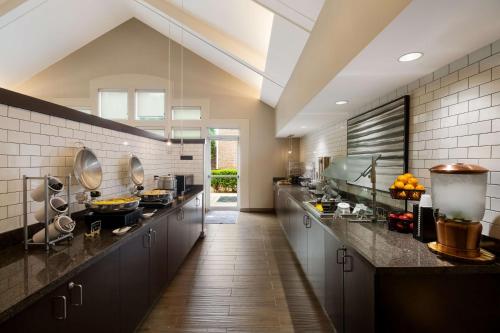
<point>303,126</point>
<point>341,102</point>
<point>410,56</point>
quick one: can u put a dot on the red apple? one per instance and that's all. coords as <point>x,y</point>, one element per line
<point>410,215</point>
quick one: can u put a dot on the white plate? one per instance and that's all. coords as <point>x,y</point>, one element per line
<point>121,231</point>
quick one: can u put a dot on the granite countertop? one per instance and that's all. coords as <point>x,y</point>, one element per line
<point>388,250</point>
<point>25,277</point>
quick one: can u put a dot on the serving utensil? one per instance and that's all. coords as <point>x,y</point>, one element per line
<point>148,215</point>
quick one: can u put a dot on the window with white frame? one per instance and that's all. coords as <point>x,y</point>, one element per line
<point>113,104</point>
<point>186,113</point>
<point>149,104</point>
<point>186,132</point>
<point>155,130</point>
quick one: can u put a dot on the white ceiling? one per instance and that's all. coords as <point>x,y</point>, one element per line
<point>301,13</point>
<point>243,20</point>
<point>443,30</point>
<point>38,33</point>
<point>257,41</point>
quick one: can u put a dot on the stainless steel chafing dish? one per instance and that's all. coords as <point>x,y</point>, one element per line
<point>114,205</point>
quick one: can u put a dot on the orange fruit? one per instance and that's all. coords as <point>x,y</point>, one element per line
<point>399,184</point>
<point>409,175</point>
<point>392,187</point>
<point>409,187</point>
<point>413,181</point>
<point>402,195</point>
<point>420,187</point>
<point>402,179</point>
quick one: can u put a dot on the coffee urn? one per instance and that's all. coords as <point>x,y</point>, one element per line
<point>458,192</point>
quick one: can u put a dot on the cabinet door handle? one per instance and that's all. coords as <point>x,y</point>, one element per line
<point>59,300</point>
<point>347,263</point>
<point>197,201</point>
<point>154,235</point>
<point>79,287</point>
<point>308,222</point>
<point>147,240</point>
<point>340,259</point>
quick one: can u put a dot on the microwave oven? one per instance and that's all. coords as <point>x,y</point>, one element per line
<point>184,183</point>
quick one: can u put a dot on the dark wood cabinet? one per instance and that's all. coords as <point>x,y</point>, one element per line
<point>116,291</point>
<point>295,223</point>
<point>193,218</point>
<point>92,297</point>
<point>197,218</point>
<point>282,202</point>
<point>316,257</point>
<point>349,288</point>
<point>158,258</point>
<point>175,243</point>
<point>287,216</point>
<point>49,314</point>
<point>184,228</point>
<point>134,280</point>
<point>85,303</point>
<point>359,293</point>
<point>334,281</point>
<point>341,279</point>
<point>360,297</point>
<point>300,235</point>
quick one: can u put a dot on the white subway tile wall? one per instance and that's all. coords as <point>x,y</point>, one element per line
<point>454,117</point>
<point>36,144</point>
<point>194,166</point>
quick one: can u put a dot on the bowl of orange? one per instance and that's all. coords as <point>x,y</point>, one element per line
<point>407,187</point>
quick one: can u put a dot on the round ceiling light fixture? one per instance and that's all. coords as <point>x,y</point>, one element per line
<point>341,102</point>
<point>410,56</point>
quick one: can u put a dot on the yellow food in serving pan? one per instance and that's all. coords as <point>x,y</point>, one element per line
<point>155,192</point>
<point>114,201</point>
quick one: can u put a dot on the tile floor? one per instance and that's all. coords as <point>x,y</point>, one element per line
<point>241,278</point>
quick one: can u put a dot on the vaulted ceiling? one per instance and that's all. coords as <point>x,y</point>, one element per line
<point>258,41</point>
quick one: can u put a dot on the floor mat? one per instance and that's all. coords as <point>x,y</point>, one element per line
<point>221,217</point>
<point>227,199</point>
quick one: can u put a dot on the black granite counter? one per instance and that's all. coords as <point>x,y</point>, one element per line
<point>25,277</point>
<point>387,250</point>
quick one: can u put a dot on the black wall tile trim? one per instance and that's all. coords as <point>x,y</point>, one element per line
<point>18,100</point>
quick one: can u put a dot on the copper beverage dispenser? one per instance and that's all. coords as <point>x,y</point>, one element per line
<point>458,192</point>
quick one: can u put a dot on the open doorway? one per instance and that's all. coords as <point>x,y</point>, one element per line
<point>223,154</point>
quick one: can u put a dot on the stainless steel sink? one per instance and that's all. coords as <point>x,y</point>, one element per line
<point>311,208</point>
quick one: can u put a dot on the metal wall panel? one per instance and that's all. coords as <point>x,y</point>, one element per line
<point>384,131</point>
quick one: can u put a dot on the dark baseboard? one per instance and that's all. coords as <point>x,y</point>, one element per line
<point>257,210</point>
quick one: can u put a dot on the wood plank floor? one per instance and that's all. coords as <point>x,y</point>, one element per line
<point>240,278</point>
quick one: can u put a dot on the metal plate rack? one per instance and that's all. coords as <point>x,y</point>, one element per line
<point>47,243</point>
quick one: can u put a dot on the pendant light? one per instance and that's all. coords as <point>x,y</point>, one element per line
<point>169,142</point>
<point>290,144</point>
<point>169,130</point>
<point>182,87</point>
